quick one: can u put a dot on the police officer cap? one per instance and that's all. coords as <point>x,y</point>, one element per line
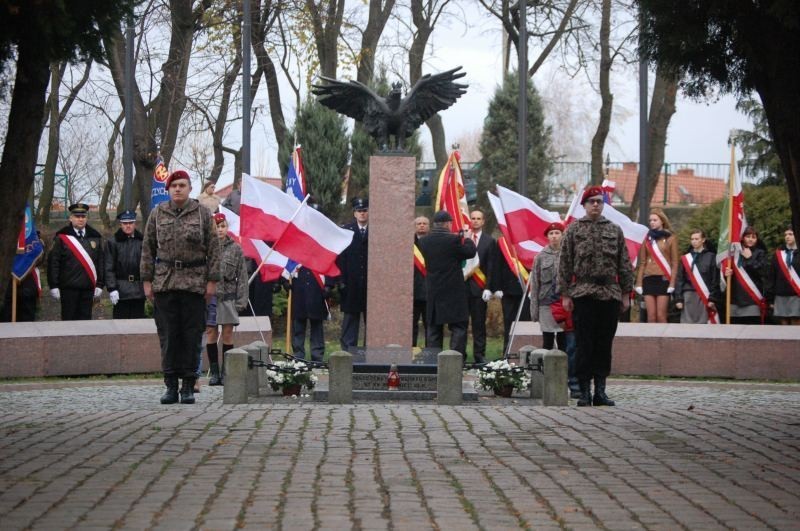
<point>359,203</point>
<point>126,216</point>
<point>442,216</point>
<point>79,209</point>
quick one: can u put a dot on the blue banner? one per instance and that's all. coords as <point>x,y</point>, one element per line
<point>24,262</point>
<point>159,193</point>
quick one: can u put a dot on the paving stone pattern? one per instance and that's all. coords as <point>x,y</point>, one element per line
<point>671,456</point>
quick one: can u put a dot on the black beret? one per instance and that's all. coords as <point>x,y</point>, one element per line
<point>442,216</point>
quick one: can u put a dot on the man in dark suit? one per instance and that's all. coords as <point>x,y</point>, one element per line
<point>76,266</point>
<point>478,284</point>
<point>447,292</point>
<point>422,226</point>
<point>352,262</point>
<point>308,308</point>
<point>506,281</point>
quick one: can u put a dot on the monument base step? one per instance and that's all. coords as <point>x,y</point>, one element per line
<point>384,395</point>
<point>376,381</point>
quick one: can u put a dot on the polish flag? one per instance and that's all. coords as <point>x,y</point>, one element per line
<point>526,222</point>
<point>525,254</point>
<point>634,233</point>
<point>299,232</point>
<point>276,264</point>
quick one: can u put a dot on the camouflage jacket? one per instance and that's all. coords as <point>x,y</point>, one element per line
<point>594,261</point>
<point>234,274</point>
<point>180,250</point>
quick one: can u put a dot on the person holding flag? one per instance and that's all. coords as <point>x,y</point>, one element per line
<point>657,267</point>
<point>783,283</point>
<point>422,227</point>
<point>744,278</point>
<point>25,282</point>
<point>478,279</point>
<point>595,279</point>
<point>76,266</point>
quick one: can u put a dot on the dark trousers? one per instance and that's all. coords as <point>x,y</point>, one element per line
<point>419,314</point>
<point>129,309</point>
<point>181,322</point>
<point>76,304</point>
<point>595,326</point>
<point>477,317</point>
<point>510,304</point>
<point>317,338</point>
<point>458,337</point>
<point>350,325</point>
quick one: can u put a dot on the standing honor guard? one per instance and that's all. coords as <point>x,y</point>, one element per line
<point>123,254</point>
<point>75,267</point>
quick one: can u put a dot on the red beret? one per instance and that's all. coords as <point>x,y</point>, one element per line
<point>219,217</point>
<point>556,225</point>
<point>591,191</point>
<point>177,174</point>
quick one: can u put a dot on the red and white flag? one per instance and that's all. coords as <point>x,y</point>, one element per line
<point>526,223</point>
<point>634,233</point>
<point>276,264</point>
<point>299,232</point>
<point>733,221</point>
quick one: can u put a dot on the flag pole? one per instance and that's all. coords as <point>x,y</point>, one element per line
<point>13,299</point>
<point>264,260</point>
<point>289,321</point>
<point>729,261</point>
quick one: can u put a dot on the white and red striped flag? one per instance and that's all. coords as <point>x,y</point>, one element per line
<point>276,264</point>
<point>526,222</point>
<point>299,232</point>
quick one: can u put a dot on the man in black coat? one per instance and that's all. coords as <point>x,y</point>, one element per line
<point>447,292</point>
<point>308,307</point>
<point>422,226</point>
<point>478,284</point>
<point>75,266</point>
<point>123,254</point>
<point>352,282</point>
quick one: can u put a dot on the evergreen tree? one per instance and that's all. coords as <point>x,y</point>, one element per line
<point>323,135</point>
<point>758,148</point>
<point>499,143</point>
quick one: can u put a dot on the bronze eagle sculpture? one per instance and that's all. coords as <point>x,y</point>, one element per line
<point>392,116</point>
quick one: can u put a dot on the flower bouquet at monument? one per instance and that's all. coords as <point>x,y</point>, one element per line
<point>503,378</point>
<point>290,377</point>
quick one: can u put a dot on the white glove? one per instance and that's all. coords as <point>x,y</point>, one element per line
<point>486,295</point>
<point>498,294</point>
<point>98,292</point>
<point>114,296</point>
<point>55,293</point>
<point>638,289</point>
<point>670,290</point>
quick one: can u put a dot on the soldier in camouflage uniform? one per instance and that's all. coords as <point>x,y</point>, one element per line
<point>595,280</point>
<point>180,269</point>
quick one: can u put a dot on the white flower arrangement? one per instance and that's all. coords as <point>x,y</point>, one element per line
<point>290,373</point>
<point>499,374</point>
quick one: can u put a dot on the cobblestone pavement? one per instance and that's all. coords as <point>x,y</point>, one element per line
<point>672,455</point>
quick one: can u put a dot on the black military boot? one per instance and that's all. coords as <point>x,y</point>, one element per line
<point>586,393</point>
<point>187,391</point>
<point>600,398</point>
<point>171,395</point>
<point>215,377</point>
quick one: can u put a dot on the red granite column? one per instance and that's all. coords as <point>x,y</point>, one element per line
<point>390,280</point>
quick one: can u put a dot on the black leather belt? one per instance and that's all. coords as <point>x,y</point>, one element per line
<point>132,278</point>
<point>181,264</point>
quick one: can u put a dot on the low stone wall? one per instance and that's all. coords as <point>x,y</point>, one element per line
<point>71,348</point>
<point>743,352</point>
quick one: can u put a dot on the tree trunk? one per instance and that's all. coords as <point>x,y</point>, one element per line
<point>607,99</point>
<point>779,97</point>
<point>662,107</point>
<point>326,21</point>
<point>109,187</point>
<point>259,36</point>
<point>21,149</point>
<point>378,15</point>
<point>49,175</point>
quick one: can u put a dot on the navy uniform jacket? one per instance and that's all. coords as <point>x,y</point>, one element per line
<point>308,298</point>
<point>353,265</point>
<point>447,291</point>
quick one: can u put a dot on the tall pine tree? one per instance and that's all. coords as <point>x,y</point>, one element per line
<point>499,143</point>
<point>323,135</point>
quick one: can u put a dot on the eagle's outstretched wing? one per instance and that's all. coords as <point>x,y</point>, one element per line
<point>351,98</point>
<point>431,94</point>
